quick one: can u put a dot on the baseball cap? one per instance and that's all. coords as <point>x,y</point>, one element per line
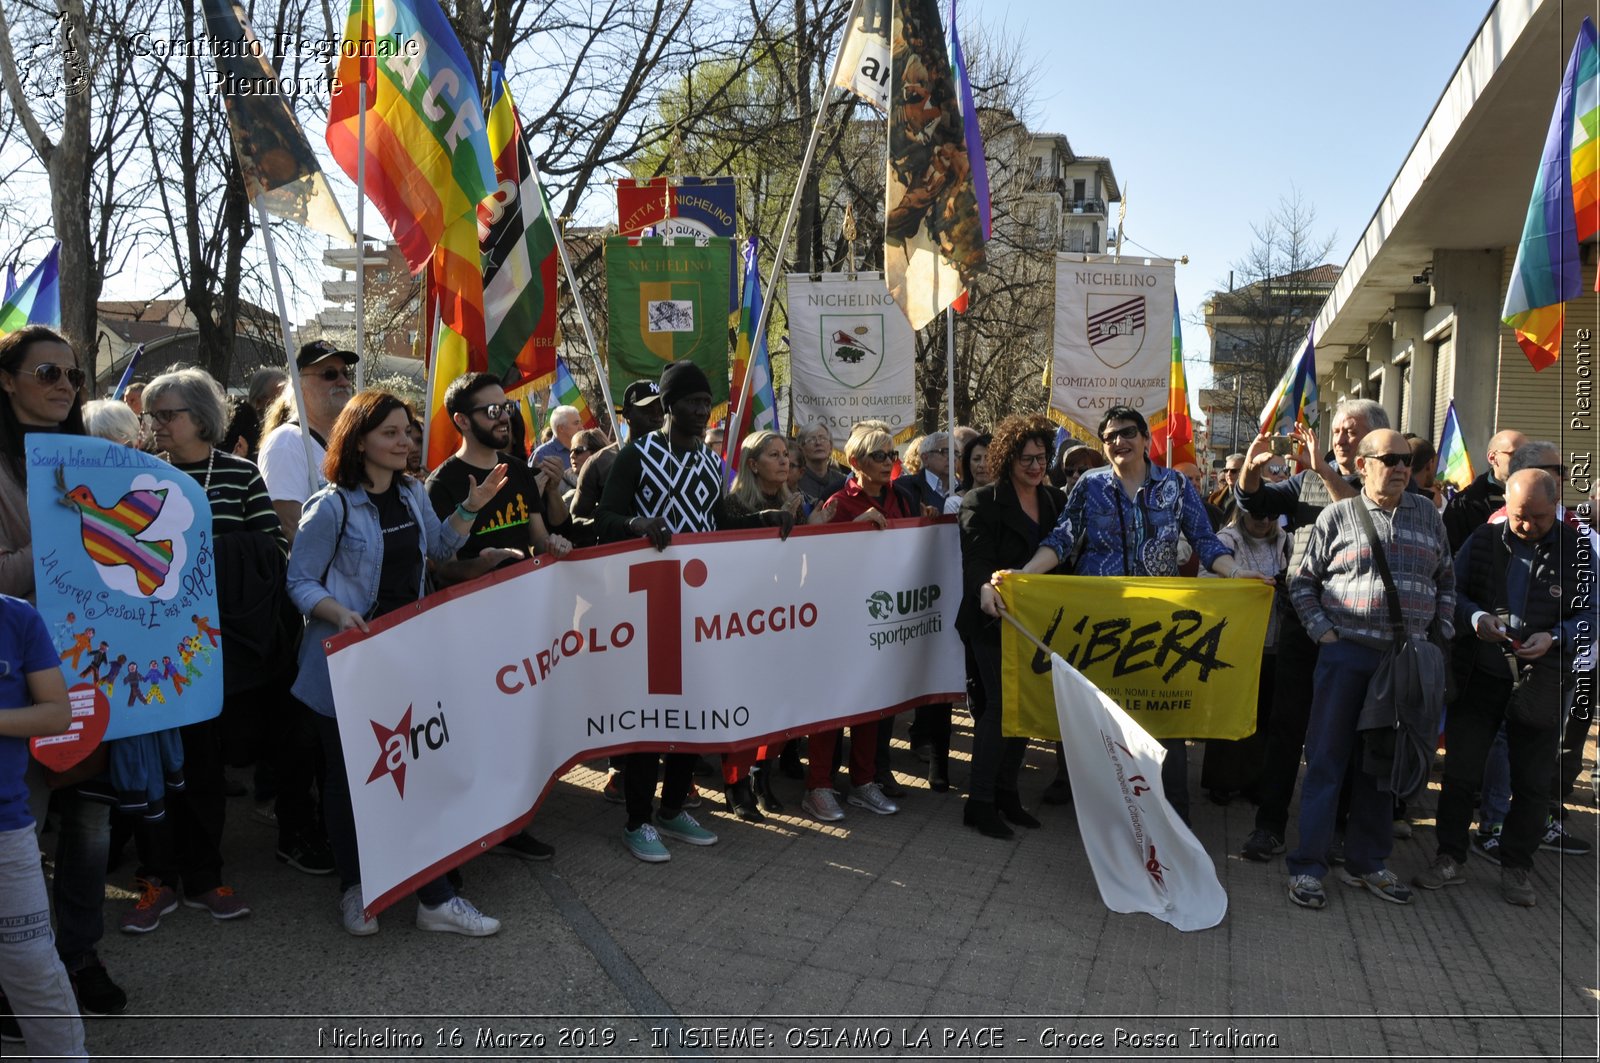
<point>317,350</point>
<point>641,393</point>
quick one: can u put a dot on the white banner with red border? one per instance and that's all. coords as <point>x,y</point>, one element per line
<point>458,714</point>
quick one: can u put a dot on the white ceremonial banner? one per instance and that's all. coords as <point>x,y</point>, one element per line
<point>1113,337</point>
<point>1145,859</point>
<point>864,56</point>
<point>458,715</point>
<point>852,355</point>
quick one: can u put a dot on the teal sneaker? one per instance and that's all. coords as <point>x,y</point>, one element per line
<point>644,843</point>
<point>684,828</point>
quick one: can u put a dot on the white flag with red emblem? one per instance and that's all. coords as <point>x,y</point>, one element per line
<point>1145,859</point>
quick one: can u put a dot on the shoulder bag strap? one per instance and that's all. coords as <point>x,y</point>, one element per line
<point>1381,562</point>
<point>344,518</point>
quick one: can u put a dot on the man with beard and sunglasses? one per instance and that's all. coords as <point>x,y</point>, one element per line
<point>513,525</point>
<point>327,377</point>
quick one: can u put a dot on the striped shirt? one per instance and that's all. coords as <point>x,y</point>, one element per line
<point>238,496</point>
<point>1338,589</point>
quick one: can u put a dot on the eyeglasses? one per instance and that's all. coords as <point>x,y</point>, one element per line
<point>165,416</point>
<point>49,374</point>
<point>884,455</point>
<point>1391,460</point>
<point>495,410</point>
<point>331,374</point>
<point>1028,460</point>
<point>1128,431</point>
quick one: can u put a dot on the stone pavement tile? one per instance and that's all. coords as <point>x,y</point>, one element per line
<point>810,990</point>
<point>889,996</point>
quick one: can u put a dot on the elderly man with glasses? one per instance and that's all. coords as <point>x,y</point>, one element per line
<point>1345,609</point>
<point>1469,509</point>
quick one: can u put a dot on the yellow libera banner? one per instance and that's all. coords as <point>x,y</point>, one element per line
<point>1182,656</point>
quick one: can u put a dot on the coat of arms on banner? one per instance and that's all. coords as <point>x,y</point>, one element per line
<point>668,319</point>
<point>1115,326</point>
<point>852,346</point>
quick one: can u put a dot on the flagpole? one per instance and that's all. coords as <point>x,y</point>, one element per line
<point>312,479</point>
<point>950,394</point>
<point>760,329</point>
<point>1005,615</point>
<point>361,234</point>
<point>583,319</point>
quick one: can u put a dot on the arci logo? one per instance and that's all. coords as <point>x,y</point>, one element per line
<point>403,744</point>
<point>903,615</point>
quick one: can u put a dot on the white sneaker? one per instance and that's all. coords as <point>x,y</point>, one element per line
<point>821,804</point>
<point>871,797</point>
<point>353,916</point>
<point>456,916</point>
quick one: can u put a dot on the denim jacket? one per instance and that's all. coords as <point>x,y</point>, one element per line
<point>349,577</point>
<point>1133,537</point>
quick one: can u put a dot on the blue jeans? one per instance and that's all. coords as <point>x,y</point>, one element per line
<point>341,819</point>
<point>83,848</point>
<point>1339,688</point>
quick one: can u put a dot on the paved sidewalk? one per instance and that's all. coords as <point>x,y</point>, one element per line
<point>903,935</point>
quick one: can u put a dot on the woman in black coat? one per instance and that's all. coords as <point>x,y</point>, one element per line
<point>1002,524</point>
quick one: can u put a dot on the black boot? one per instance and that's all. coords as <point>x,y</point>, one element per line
<point>762,775</point>
<point>939,769</point>
<point>984,816</point>
<point>789,760</point>
<point>1009,804</point>
<point>741,800</point>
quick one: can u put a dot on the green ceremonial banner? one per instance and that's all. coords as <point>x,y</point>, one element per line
<point>667,301</point>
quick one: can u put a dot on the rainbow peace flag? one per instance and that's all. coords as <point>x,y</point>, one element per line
<point>1563,211</point>
<point>428,158</point>
<point>1455,467</point>
<point>1294,399</point>
<point>565,392</point>
<point>1172,434</point>
<point>760,412</point>
<point>37,300</point>
<point>11,282</point>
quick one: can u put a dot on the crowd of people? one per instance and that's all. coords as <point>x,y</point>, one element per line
<point>323,519</point>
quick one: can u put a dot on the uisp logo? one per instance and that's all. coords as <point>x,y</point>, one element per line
<point>903,615</point>
<point>403,745</point>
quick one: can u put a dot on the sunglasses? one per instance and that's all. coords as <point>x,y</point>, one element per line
<point>584,450</point>
<point>1027,460</point>
<point>1391,460</point>
<point>49,374</point>
<point>332,374</point>
<point>884,455</point>
<point>164,416</point>
<point>1276,470</point>
<point>1125,432</point>
<point>495,410</point>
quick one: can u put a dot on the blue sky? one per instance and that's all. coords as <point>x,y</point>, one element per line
<point>1210,112</point>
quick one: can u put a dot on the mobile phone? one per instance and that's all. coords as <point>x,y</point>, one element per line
<point>1283,445</point>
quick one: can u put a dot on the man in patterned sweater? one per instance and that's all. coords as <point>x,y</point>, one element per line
<point>663,483</point>
<point>1342,603</point>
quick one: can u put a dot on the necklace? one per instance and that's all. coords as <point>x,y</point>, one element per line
<point>211,461</point>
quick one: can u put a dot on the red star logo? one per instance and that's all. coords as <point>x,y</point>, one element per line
<point>392,752</point>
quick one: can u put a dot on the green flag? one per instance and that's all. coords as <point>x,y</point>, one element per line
<point>668,304</point>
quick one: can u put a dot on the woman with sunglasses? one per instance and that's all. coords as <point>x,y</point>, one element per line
<point>362,550</point>
<point>868,497</point>
<point>41,386</point>
<point>1126,520</point>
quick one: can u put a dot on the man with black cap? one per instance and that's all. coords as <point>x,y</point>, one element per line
<point>641,408</point>
<point>665,482</point>
<point>326,382</point>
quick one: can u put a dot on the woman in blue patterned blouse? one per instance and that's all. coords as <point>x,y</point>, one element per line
<point>1125,519</point>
